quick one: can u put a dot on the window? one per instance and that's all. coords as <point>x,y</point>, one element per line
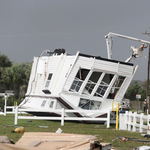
<point>80,77</point>
<point>89,104</point>
<point>91,82</point>
<point>116,86</point>
<point>48,80</point>
<point>43,103</point>
<point>103,85</point>
<point>51,104</point>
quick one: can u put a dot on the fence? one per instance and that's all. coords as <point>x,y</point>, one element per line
<point>133,121</point>
<point>63,118</point>
<point>10,112</point>
<point>6,95</point>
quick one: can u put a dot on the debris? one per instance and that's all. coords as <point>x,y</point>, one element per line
<point>147,136</point>
<point>114,139</point>
<point>9,125</point>
<point>43,126</point>
<point>143,134</point>
<point>58,130</point>
<point>124,139</point>
<point>59,141</point>
<point>29,120</point>
<point>105,123</point>
<point>4,139</point>
<point>133,139</point>
<point>142,148</point>
<point>12,142</point>
<point>35,143</point>
<point>97,126</point>
<point>96,145</point>
<point>18,130</point>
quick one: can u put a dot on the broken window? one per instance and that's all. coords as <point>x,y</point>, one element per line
<point>91,82</point>
<point>116,86</point>
<point>89,104</point>
<point>48,80</point>
<point>80,77</point>
<point>103,85</point>
<point>43,103</point>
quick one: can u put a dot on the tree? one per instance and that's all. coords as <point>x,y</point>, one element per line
<point>134,89</point>
<point>16,76</point>
<point>145,86</point>
<point>4,63</point>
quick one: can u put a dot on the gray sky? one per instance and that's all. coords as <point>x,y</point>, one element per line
<point>27,27</point>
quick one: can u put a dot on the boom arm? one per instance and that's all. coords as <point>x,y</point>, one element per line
<point>109,41</point>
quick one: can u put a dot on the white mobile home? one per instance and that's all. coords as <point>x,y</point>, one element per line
<point>76,82</point>
<point>79,81</point>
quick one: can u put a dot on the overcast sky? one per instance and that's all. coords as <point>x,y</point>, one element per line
<point>27,27</point>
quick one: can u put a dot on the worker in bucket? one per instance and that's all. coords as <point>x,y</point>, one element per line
<point>142,47</point>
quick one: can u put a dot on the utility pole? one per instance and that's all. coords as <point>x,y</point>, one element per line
<point>148,81</point>
<point>148,100</point>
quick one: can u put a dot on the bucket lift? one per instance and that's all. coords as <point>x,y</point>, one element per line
<point>136,52</point>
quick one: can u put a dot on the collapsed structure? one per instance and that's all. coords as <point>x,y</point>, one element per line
<point>77,82</point>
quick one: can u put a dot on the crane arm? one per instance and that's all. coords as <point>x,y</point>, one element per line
<point>109,41</point>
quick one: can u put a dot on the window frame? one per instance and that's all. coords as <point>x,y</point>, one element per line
<point>49,78</point>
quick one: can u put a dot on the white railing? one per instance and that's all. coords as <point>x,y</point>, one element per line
<point>10,112</point>
<point>63,118</point>
<point>6,95</point>
<point>133,121</point>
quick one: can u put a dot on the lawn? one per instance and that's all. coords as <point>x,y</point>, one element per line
<point>103,134</point>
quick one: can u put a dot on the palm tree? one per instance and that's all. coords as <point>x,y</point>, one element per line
<point>4,63</point>
<point>16,76</point>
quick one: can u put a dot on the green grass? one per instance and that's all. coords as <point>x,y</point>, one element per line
<point>103,134</point>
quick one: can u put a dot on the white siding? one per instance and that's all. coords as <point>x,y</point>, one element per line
<point>32,75</point>
<point>38,79</point>
<point>64,72</point>
<point>123,89</point>
<point>57,73</point>
<point>60,74</point>
<point>57,65</point>
<point>106,66</point>
<point>107,104</point>
<point>83,62</point>
<point>71,98</point>
<point>41,77</point>
<point>125,70</point>
<point>112,67</point>
<point>101,65</point>
<point>35,102</point>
